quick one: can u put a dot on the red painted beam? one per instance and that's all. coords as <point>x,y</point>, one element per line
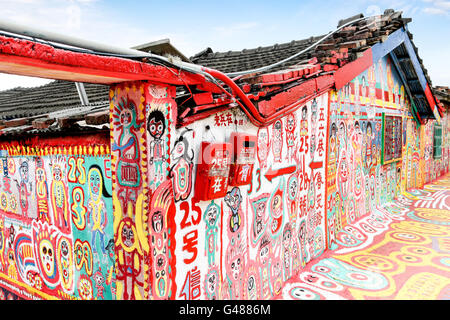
<point>28,58</point>
<point>351,70</point>
<point>303,92</point>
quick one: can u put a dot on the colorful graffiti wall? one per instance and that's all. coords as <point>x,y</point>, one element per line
<point>56,235</point>
<point>218,209</point>
<point>245,244</point>
<point>358,179</point>
<point>144,206</point>
<point>434,168</point>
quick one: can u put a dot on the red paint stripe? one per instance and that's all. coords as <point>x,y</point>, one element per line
<point>430,97</point>
<point>351,70</point>
<point>25,57</point>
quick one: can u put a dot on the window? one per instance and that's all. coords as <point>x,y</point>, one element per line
<point>392,139</point>
<point>437,142</point>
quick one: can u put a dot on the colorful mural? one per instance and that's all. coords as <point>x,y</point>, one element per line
<point>55,228</point>
<point>357,180</point>
<point>143,196</point>
<point>128,223</point>
<point>400,252</point>
<point>245,244</point>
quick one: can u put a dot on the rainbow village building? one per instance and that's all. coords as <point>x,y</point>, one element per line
<point>157,176</point>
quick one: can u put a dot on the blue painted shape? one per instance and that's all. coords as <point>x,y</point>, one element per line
<point>379,50</point>
<point>416,63</point>
<point>405,84</point>
<point>350,275</point>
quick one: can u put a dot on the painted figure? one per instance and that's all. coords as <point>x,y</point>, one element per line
<point>290,125</point>
<point>127,145</point>
<point>42,191</point>
<point>263,146</point>
<point>181,171</point>
<point>59,198</point>
<point>277,140</point>
<point>97,216</point>
<point>156,126</point>
<point>211,218</point>
<point>24,187</point>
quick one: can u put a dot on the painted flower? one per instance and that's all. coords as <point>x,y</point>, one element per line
<point>85,288</point>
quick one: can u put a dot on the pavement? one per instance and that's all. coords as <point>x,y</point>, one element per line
<point>400,252</point>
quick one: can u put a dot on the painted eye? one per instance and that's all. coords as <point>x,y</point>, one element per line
<point>44,250</point>
<point>152,127</point>
<point>50,252</point>
<point>160,127</point>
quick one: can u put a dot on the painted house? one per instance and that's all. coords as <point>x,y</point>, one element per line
<point>173,182</point>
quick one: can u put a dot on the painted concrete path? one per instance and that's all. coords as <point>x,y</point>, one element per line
<point>402,251</point>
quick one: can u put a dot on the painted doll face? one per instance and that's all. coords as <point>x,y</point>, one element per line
<point>47,256</point>
<point>57,173</point>
<point>233,199</point>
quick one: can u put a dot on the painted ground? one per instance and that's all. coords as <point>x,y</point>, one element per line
<point>401,251</point>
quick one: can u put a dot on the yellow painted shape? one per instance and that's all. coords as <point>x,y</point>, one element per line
<point>422,286</point>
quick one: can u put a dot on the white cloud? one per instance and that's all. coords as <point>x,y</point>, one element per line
<point>438,7</point>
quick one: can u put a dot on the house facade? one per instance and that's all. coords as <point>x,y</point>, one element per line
<point>195,191</point>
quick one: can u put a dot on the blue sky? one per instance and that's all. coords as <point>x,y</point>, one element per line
<point>225,25</point>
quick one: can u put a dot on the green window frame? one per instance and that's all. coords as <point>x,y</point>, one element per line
<point>437,142</point>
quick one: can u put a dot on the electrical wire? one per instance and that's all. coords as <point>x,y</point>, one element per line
<point>271,66</point>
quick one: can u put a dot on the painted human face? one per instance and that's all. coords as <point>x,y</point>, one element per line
<point>156,128</point>
<point>264,254</point>
<point>99,279</point>
<point>290,125</point>
<point>293,187</point>
<point>95,182</point>
<point>128,235</point>
<point>24,171</point>
<point>287,238</point>
<point>344,169</point>
<point>236,268</point>
<point>277,129</point>
<point>211,283</point>
<point>157,221</point>
<point>211,216</point>
<point>126,117</point>
<point>40,174</point>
